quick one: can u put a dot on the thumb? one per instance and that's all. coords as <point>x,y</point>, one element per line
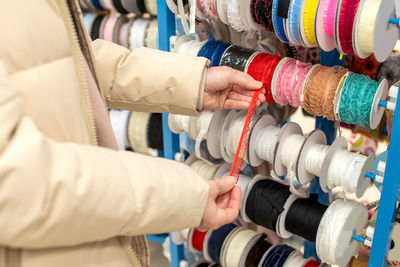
<point>225,185</point>
<point>243,80</point>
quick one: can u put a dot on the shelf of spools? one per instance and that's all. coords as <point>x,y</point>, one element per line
<point>341,111</point>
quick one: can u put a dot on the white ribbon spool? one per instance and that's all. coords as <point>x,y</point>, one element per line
<point>256,139</point>
<point>290,152</point>
<point>119,121</point>
<point>334,242</point>
<point>237,246</point>
<point>311,157</point>
<point>203,169</point>
<point>394,253</point>
<point>346,169</point>
<point>150,40</point>
<point>296,259</point>
<point>214,133</point>
<point>178,123</point>
<point>138,33</point>
<point>137,132</point>
<point>234,18</point>
<point>373,31</point>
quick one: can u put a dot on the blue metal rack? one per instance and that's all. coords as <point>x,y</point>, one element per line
<point>386,212</point>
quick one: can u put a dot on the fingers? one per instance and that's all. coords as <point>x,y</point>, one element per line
<point>225,185</point>
<point>235,104</point>
<point>230,213</point>
<point>248,93</point>
<point>242,80</point>
<point>239,97</point>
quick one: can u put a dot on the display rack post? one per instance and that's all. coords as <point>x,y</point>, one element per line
<point>166,28</point>
<point>387,204</point>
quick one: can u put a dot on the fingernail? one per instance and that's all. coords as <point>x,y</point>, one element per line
<point>258,84</point>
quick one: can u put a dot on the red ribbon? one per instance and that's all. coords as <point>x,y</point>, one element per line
<point>198,239</point>
<point>262,68</point>
<point>312,264</point>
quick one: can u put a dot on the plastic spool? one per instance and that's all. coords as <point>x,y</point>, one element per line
<point>224,134</point>
<point>246,193</point>
<point>376,110</point>
<point>137,33</point>
<point>326,42</point>
<point>394,253</point>
<point>245,6</point>
<point>137,131</point>
<point>237,246</point>
<point>265,255</point>
<point>280,227</point>
<point>306,80</point>
<point>263,122</point>
<point>336,101</point>
<point>315,137</point>
<point>178,123</point>
<point>385,34</point>
<point>341,221</point>
<point>356,42</point>
<point>296,259</point>
<point>228,152</point>
<point>286,131</point>
<point>214,132</point>
<point>336,34</point>
<point>303,36</point>
<point>357,181</point>
<point>275,77</point>
<point>205,246</point>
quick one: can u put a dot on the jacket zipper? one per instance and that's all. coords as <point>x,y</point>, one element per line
<point>78,59</point>
<point>85,90</point>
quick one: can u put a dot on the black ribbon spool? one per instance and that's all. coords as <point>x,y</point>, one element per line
<point>119,7</point>
<point>265,202</point>
<point>95,31</point>
<point>283,8</point>
<point>154,132</point>
<point>257,252</point>
<point>217,239</point>
<point>236,57</point>
<point>304,217</point>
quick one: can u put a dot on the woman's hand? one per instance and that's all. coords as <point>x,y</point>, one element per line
<point>226,88</point>
<point>223,203</point>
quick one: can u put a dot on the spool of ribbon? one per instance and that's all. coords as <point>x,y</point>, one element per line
<point>257,251</point>
<point>293,21</point>
<point>309,16</point>
<point>341,221</point>
<point>345,26</point>
<point>356,99</point>
<point>150,40</point>
<point>278,22</point>
<point>216,241</point>
<point>137,33</point>
<point>277,256</point>
<point>198,239</point>
<point>237,246</point>
<point>237,57</point>
<point>262,68</point>
<point>265,202</point>
<point>261,11</point>
<point>320,90</point>
<point>290,82</point>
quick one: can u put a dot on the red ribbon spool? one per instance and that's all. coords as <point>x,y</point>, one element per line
<point>262,68</point>
<point>198,239</point>
<point>312,264</point>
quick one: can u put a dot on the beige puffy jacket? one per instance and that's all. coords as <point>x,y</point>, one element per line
<point>65,202</point>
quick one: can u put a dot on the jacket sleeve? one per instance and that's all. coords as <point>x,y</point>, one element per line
<point>149,80</point>
<point>60,194</point>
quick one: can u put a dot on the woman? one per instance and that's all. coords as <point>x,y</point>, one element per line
<point>67,197</point>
